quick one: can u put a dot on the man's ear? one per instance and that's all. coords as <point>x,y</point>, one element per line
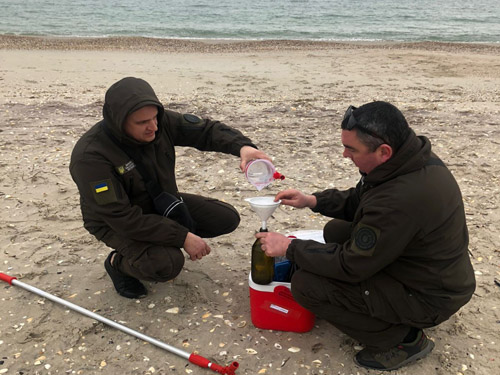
<point>385,152</point>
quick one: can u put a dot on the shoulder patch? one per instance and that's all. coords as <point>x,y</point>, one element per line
<point>103,192</point>
<point>192,119</point>
<point>122,169</point>
<point>364,239</point>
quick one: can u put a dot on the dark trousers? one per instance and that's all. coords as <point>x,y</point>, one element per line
<point>146,261</point>
<point>380,324</point>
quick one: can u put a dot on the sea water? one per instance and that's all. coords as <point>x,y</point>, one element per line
<point>341,20</point>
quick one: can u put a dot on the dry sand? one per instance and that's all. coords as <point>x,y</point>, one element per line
<point>289,97</point>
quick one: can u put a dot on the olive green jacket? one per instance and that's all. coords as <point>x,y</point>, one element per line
<point>113,195</point>
<point>408,222</point>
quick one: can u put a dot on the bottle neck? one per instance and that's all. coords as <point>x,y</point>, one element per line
<point>263,230</point>
<point>263,225</point>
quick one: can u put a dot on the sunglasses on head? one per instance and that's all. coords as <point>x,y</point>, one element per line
<point>349,122</point>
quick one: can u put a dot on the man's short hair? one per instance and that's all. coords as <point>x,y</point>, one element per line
<point>384,119</point>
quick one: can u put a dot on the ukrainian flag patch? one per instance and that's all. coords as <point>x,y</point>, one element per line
<point>103,192</point>
<point>99,188</point>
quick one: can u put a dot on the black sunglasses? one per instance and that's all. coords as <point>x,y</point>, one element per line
<point>349,122</point>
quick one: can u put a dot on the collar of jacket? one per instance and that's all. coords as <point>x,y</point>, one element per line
<point>412,156</point>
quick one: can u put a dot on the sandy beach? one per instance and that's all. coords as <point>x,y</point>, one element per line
<point>289,97</point>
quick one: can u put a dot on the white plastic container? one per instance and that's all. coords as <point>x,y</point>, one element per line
<point>261,172</point>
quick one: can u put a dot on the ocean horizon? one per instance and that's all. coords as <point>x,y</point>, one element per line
<point>462,21</point>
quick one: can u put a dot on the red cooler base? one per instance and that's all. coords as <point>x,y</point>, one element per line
<point>273,307</point>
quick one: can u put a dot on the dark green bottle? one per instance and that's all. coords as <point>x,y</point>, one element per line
<point>262,265</point>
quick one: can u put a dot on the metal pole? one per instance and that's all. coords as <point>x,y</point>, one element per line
<point>192,357</point>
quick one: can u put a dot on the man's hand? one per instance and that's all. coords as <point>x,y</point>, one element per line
<point>248,153</point>
<point>195,246</point>
<point>273,244</point>
<point>295,198</point>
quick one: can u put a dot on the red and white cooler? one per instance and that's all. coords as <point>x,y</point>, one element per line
<point>273,307</point>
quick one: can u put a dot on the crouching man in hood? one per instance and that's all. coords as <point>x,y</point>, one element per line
<point>124,167</point>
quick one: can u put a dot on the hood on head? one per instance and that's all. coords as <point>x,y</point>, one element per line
<point>124,97</point>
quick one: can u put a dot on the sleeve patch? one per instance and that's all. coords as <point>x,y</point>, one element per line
<point>192,119</point>
<point>122,169</point>
<point>103,192</point>
<point>365,239</point>
<point>99,188</point>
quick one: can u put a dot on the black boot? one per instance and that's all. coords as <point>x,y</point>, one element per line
<point>396,357</point>
<point>125,285</point>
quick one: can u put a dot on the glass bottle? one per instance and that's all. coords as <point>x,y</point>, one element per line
<point>262,265</point>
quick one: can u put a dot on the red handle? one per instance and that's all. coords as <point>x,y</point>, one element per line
<point>7,278</point>
<point>205,363</point>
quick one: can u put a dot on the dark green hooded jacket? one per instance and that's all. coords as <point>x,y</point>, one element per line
<point>113,195</point>
<point>408,223</point>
